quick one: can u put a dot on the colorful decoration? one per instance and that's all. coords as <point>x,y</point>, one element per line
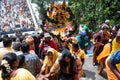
<point>59,20</point>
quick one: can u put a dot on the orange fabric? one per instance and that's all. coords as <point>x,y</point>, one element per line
<point>105,52</point>
<point>110,74</point>
<point>108,34</point>
<point>115,47</point>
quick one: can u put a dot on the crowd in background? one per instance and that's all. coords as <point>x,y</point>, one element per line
<point>15,14</point>
<point>44,56</point>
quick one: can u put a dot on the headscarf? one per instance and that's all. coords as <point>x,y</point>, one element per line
<point>82,32</point>
<point>55,55</point>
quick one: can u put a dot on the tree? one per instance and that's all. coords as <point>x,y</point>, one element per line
<point>95,12</point>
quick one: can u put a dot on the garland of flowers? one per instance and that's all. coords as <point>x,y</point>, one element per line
<point>6,65</point>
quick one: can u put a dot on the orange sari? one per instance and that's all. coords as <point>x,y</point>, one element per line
<point>110,74</point>
<point>105,52</point>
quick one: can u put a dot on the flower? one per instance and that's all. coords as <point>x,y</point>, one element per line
<point>7,66</point>
<point>4,62</point>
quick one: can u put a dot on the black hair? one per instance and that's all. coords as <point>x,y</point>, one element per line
<point>75,45</point>
<point>25,47</point>
<point>36,43</point>
<point>21,59</point>
<point>7,42</point>
<point>66,53</point>
<point>17,46</point>
<point>10,58</point>
<point>63,64</point>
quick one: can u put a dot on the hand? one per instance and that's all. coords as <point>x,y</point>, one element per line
<point>47,75</point>
<point>41,77</point>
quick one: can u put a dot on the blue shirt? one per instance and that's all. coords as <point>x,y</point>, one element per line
<point>115,57</point>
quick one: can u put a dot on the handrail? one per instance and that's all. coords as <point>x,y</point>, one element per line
<point>33,16</point>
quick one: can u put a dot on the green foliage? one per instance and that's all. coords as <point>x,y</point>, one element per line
<point>95,12</point>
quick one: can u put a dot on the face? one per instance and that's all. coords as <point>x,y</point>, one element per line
<point>50,55</point>
<point>105,30</point>
<point>67,59</point>
<point>108,23</point>
<point>47,39</point>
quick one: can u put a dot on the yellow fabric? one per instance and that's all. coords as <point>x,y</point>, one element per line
<point>81,54</point>
<point>60,31</point>
<point>115,46</point>
<point>22,74</point>
<point>105,52</point>
<point>70,47</point>
<point>110,74</point>
<point>3,51</point>
<point>49,62</point>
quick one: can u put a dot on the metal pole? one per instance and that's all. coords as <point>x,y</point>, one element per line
<point>33,16</point>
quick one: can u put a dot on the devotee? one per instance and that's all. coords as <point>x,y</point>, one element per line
<point>49,61</point>
<point>69,67</point>
<point>74,48</point>
<point>103,55</point>
<point>7,43</point>
<point>100,39</point>
<point>46,43</point>
<point>83,41</point>
<point>17,48</point>
<point>32,61</point>
<point>9,70</point>
<point>114,53</point>
<point>112,71</point>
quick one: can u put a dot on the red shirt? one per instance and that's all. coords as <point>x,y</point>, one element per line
<point>52,44</point>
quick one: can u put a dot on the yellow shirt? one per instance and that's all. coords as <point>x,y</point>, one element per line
<point>22,74</point>
<point>81,54</point>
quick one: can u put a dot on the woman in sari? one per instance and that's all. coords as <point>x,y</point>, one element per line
<point>9,70</point>
<point>69,67</point>
<point>115,47</point>
<point>49,60</point>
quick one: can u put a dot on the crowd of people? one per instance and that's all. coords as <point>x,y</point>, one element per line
<point>43,56</point>
<point>15,14</point>
<point>40,56</point>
